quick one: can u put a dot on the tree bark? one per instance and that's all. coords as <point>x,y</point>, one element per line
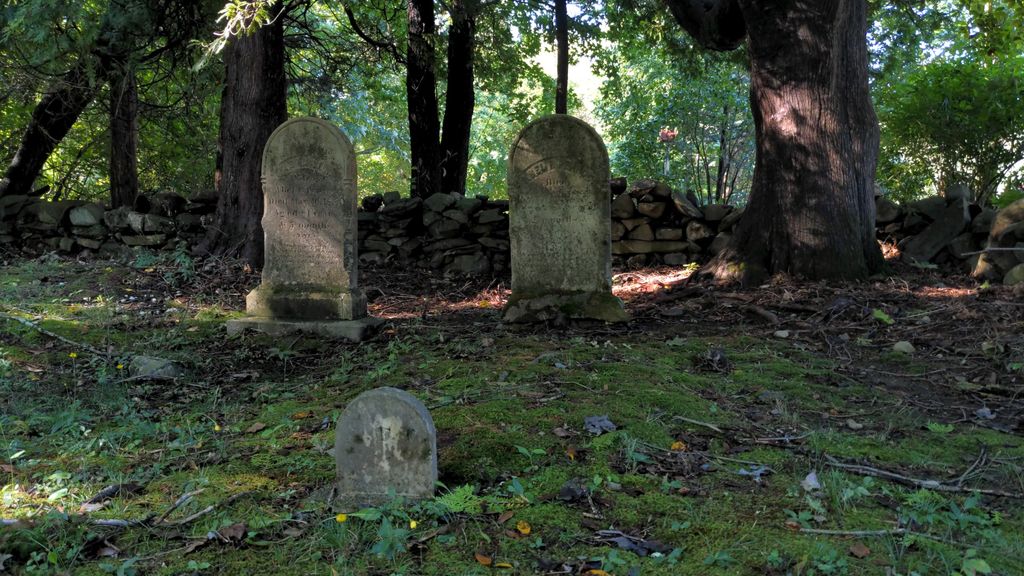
<point>714,24</point>
<point>124,139</point>
<point>460,98</point>
<point>51,120</point>
<point>811,210</point>
<point>254,104</point>
<point>562,42</point>
<point>421,93</point>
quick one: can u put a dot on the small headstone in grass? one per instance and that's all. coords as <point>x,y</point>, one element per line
<point>560,224</point>
<point>385,446</point>
<point>309,281</point>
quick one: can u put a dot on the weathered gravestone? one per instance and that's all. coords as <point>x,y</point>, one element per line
<point>560,224</point>
<point>385,445</point>
<point>310,270</point>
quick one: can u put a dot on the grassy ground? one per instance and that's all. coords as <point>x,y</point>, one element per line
<point>720,417</point>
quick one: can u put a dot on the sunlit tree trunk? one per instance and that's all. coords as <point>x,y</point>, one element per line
<point>254,104</point>
<point>811,209</point>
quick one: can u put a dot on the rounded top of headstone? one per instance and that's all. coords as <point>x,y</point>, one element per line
<point>385,394</point>
<point>305,139</point>
<point>560,130</point>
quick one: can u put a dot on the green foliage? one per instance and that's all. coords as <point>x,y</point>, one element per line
<point>954,121</point>
<point>703,97</point>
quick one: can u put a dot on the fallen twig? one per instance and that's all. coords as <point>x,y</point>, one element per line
<point>993,249</point>
<point>207,510</point>
<point>771,317</point>
<point>177,504</point>
<point>41,330</point>
<point>855,533</point>
<point>699,423</point>
<point>917,482</point>
<point>784,439</point>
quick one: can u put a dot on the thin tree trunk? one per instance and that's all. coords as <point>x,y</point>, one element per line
<point>811,209</point>
<point>562,41</point>
<point>124,139</point>
<point>254,104</point>
<point>51,120</point>
<point>421,93</point>
<point>459,98</point>
<point>721,178</point>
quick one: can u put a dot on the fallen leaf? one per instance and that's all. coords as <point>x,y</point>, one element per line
<point>483,559</point>
<point>255,428</point>
<point>87,507</point>
<point>755,472</point>
<point>7,468</point>
<point>107,552</point>
<point>502,565</point>
<point>860,550</point>
<point>903,347</point>
<point>810,482</point>
<point>523,527</point>
<point>195,544</point>
<point>984,413</point>
<point>598,425</point>
<point>854,425</point>
<point>505,516</point>
<point>234,533</point>
<point>781,333</point>
<point>301,415</point>
<point>596,572</point>
<point>571,453</point>
<point>678,446</point>
<point>293,532</point>
<point>561,432</point>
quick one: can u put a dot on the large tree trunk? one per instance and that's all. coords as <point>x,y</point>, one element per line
<point>421,92</point>
<point>811,210</point>
<point>254,104</point>
<point>51,120</point>
<point>459,99</point>
<point>562,66</point>
<point>124,139</point>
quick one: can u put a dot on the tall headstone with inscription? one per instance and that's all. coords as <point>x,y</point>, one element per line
<point>310,270</point>
<point>560,224</point>
<point>385,445</point>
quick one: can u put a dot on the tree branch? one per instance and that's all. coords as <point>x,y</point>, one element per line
<point>388,45</point>
<point>714,24</point>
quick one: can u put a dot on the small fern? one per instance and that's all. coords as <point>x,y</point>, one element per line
<point>461,500</point>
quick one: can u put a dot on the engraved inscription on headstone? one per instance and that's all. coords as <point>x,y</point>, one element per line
<point>310,270</point>
<point>559,224</point>
<point>385,444</point>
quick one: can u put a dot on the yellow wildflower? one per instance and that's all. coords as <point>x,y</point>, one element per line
<point>341,517</point>
<point>73,355</point>
<point>413,524</point>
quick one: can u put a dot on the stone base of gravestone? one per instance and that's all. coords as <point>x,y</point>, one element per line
<point>385,446</point>
<point>303,304</point>
<point>548,307</point>
<point>559,224</point>
<point>352,330</point>
<point>277,311</point>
